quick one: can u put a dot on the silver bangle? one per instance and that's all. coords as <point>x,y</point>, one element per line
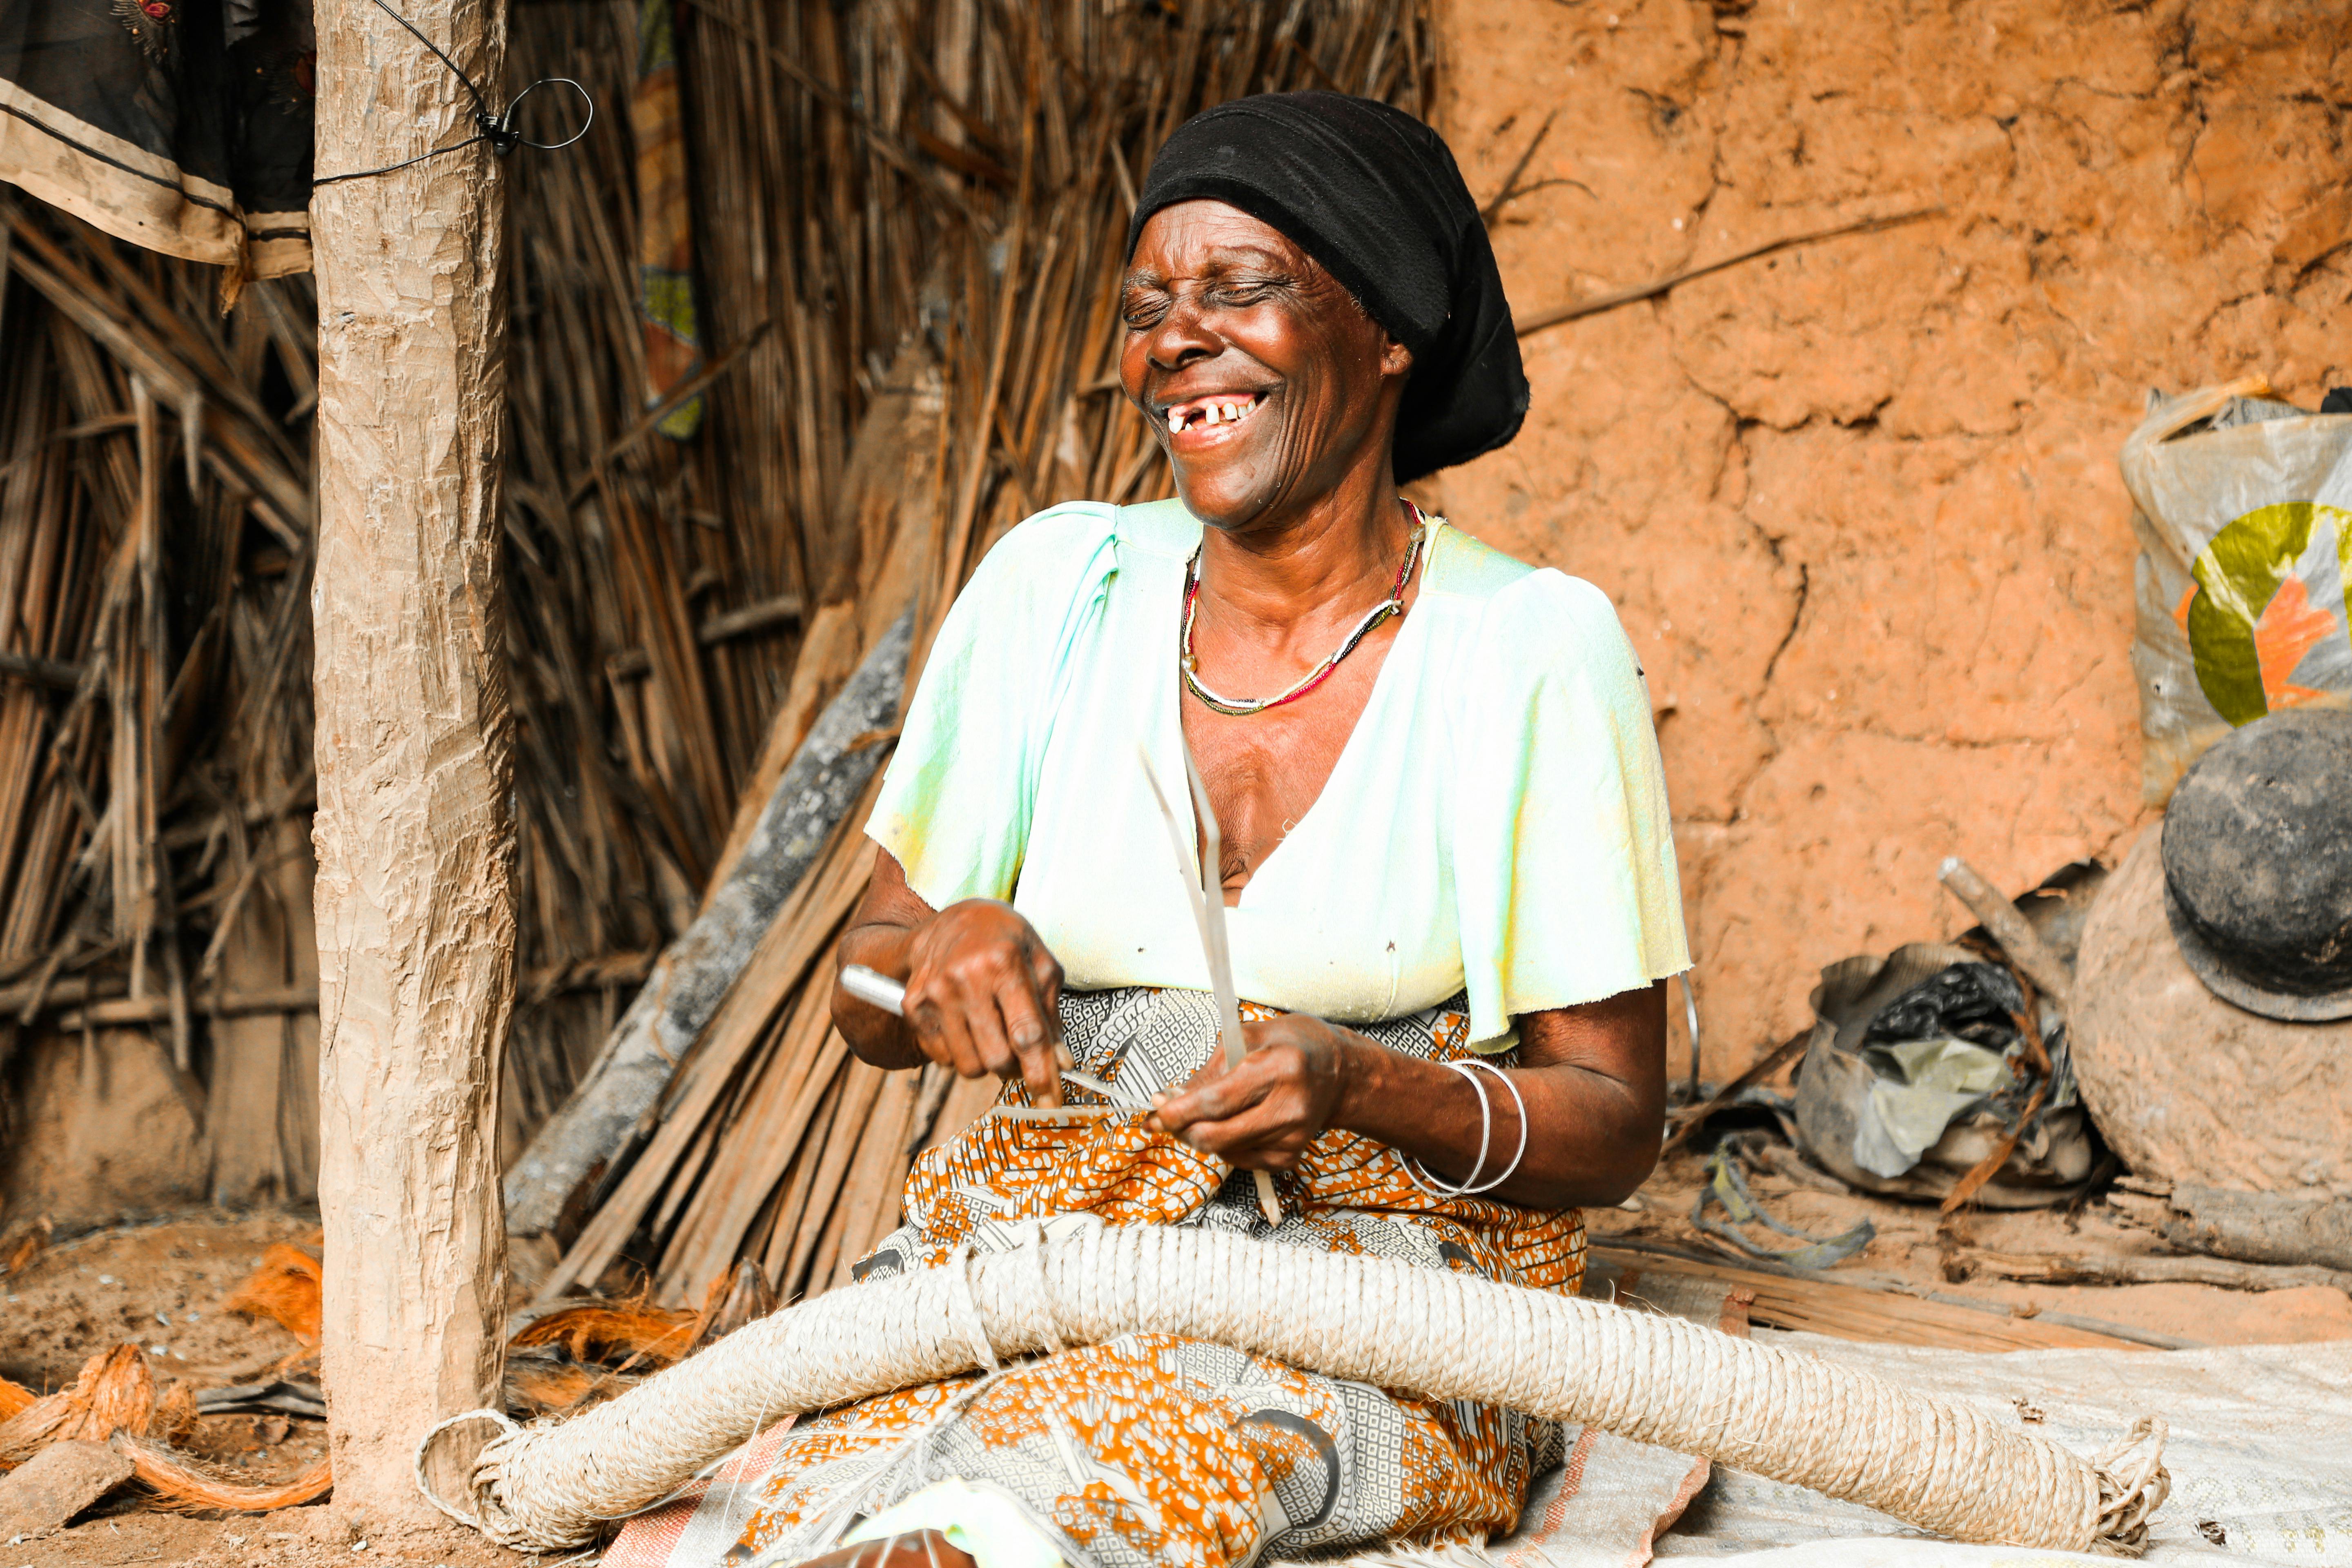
<point>1471,1186</point>
<point>1517,1100</point>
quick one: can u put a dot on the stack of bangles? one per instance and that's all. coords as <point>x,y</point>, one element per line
<point>1470,1068</point>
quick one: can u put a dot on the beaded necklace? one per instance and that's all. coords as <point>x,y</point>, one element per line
<point>1242,707</point>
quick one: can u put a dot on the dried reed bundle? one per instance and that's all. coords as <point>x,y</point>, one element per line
<point>154,664</point>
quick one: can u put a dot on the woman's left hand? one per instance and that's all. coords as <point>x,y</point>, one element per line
<point>1261,1115</point>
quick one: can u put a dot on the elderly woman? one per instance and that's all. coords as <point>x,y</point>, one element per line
<point>1446,860</point>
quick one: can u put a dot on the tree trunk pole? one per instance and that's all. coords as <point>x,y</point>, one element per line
<point>416,843</point>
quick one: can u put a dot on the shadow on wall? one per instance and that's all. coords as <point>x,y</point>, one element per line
<point>1857,501</point>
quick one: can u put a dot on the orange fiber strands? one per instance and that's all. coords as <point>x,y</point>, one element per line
<point>285,1289</point>
<point>181,1485</point>
<point>113,1394</point>
<point>628,1333</point>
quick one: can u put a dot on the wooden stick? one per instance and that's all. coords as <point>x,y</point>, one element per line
<point>2033,956</point>
<point>812,800</point>
<point>772,1119</point>
<point>2124,1268</point>
<point>800,1178</point>
<point>782,957</point>
<point>869,1199</point>
<point>54,673</point>
<point>767,614</point>
<point>135,1010</point>
<point>1856,1307</point>
<point>820,1230</point>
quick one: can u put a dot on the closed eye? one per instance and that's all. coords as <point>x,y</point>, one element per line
<point>1141,307</point>
<point>1240,296</point>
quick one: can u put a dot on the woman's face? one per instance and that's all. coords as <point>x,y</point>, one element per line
<point>1266,383</point>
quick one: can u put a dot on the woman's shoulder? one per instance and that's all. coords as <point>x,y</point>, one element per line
<point>1043,567</point>
<point>1535,613</point>
<point>1075,543</point>
<point>1068,533</point>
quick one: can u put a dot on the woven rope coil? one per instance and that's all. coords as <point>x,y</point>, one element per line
<point>1789,1416</point>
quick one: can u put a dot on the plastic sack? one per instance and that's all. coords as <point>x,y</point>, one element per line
<point>2243,509</point>
<point>1872,1109</point>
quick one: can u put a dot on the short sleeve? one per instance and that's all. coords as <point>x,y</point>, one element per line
<point>1562,845</point>
<point>957,798</point>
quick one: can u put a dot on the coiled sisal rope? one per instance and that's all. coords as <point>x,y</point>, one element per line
<point>1942,1467</point>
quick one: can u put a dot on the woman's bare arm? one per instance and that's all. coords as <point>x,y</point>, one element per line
<point>982,997</point>
<point>982,994</point>
<point>1593,1078</point>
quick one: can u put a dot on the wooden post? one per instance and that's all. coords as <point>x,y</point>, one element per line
<point>415,842</point>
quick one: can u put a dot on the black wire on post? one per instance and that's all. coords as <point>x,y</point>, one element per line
<point>498,130</point>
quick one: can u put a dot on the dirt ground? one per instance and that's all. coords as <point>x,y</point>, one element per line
<point>162,1286</point>
<point>298,1538</point>
<point>159,1286</point>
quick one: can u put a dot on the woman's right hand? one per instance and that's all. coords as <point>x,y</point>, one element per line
<point>983,996</point>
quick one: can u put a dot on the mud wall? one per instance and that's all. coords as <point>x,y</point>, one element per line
<point>1857,501</point>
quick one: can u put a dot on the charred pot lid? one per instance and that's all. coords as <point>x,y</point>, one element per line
<point>2258,866</point>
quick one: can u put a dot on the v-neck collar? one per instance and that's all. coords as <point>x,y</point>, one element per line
<point>1167,728</point>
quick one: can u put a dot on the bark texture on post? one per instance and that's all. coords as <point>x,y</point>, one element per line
<point>415,844</point>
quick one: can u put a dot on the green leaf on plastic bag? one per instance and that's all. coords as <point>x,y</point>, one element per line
<point>2238,575</point>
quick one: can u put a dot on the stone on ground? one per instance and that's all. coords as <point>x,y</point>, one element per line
<point>55,1484</point>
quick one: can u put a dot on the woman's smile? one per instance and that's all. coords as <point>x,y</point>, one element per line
<point>1267,385</point>
<point>1202,424</point>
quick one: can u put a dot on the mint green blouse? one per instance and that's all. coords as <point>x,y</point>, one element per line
<point>1496,823</point>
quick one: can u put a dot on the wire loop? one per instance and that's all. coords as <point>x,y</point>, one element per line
<point>498,130</point>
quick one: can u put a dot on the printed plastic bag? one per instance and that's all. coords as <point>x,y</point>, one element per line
<point>2244,509</point>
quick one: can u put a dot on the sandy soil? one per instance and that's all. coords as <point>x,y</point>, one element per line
<point>298,1537</point>
<point>160,1286</point>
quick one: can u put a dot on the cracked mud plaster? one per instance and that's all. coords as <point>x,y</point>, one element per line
<point>1857,502</point>
<point>414,840</point>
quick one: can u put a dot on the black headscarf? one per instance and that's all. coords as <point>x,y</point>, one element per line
<point>1373,194</point>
